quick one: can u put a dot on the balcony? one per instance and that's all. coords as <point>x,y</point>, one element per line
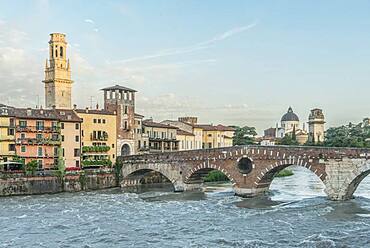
<point>95,149</point>
<point>7,138</point>
<point>103,137</point>
<point>34,141</point>
<point>37,129</point>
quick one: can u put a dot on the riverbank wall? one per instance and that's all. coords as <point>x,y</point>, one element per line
<point>36,185</point>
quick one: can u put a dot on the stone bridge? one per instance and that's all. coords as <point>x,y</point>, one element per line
<point>251,169</point>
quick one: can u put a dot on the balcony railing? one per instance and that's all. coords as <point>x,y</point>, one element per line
<point>35,141</point>
<point>37,129</point>
<point>99,138</point>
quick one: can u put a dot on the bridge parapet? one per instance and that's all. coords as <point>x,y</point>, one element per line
<point>256,151</point>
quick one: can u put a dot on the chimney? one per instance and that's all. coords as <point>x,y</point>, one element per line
<point>74,106</point>
<point>97,106</point>
<point>87,110</point>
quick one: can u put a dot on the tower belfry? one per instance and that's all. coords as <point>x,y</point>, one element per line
<point>58,83</point>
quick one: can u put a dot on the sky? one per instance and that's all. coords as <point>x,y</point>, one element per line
<point>225,61</point>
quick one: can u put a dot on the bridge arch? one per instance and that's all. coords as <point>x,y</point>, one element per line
<point>167,170</point>
<point>196,173</point>
<point>265,176</point>
<point>351,183</point>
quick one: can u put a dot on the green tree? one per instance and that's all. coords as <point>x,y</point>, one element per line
<point>288,141</point>
<point>244,135</point>
<point>351,135</point>
<point>31,167</point>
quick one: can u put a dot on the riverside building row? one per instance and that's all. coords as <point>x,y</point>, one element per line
<point>62,134</point>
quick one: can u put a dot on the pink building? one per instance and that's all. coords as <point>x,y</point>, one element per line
<point>37,136</point>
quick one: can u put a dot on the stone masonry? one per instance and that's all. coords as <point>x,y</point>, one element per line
<point>251,168</point>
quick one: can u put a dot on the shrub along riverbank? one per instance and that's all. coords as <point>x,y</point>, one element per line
<point>284,173</point>
<point>216,176</point>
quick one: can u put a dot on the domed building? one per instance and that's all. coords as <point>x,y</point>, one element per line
<point>290,120</point>
<point>289,124</point>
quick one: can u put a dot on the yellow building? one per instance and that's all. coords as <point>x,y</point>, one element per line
<point>217,136</point>
<point>7,136</point>
<point>204,136</point>
<point>186,140</point>
<point>70,131</point>
<point>98,137</point>
<point>162,137</point>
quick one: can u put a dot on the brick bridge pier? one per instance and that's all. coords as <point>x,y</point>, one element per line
<point>251,169</point>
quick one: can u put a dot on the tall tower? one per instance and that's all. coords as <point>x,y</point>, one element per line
<point>316,126</point>
<point>121,100</point>
<point>58,83</point>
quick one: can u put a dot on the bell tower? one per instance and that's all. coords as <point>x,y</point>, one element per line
<point>316,126</point>
<point>58,83</point>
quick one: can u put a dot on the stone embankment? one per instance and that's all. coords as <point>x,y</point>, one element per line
<point>11,185</point>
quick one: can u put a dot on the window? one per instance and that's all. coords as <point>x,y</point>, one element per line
<point>125,125</point>
<point>77,138</point>
<point>23,148</point>
<point>11,147</point>
<point>63,152</point>
<point>55,151</point>
<point>76,152</point>
<point>139,144</point>
<point>23,135</point>
<point>77,163</point>
<point>23,124</point>
<point>62,125</point>
<point>40,164</point>
<point>39,136</point>
<point>55,137</point>
<point>62,138</point>
<point>40,125</point>
<point>77,126</point>
<point>54,125</point>
<point>10,131</point>
<point>39,151</point>
<point>103,121</point>
<point>99,121</point>
<point>126,110</point>
<point>82,133</point>
<point>112,145</point>
<point>61,51</point>
<point>113,155</point>
<point>94,120</point>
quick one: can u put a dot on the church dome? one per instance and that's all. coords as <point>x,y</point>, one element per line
<point>290,116</point>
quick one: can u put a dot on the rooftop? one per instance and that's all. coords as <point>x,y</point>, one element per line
<point>290,116</point>
<point>150,123</point>
<point>67,115</point>
<point>182,132</point>
<point>118,87</point>
<point>95,111</point>
<point>219,127</point>
<point>28,113</point>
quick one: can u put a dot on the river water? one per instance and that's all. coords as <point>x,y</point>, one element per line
<point>295,214</point>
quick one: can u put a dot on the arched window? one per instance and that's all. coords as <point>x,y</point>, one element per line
<point>61,52</point>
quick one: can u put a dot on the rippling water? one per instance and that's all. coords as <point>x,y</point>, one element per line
<point>296,214</point>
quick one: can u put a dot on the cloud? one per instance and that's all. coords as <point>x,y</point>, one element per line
<point>189,49</point>
<point>89,21</point>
